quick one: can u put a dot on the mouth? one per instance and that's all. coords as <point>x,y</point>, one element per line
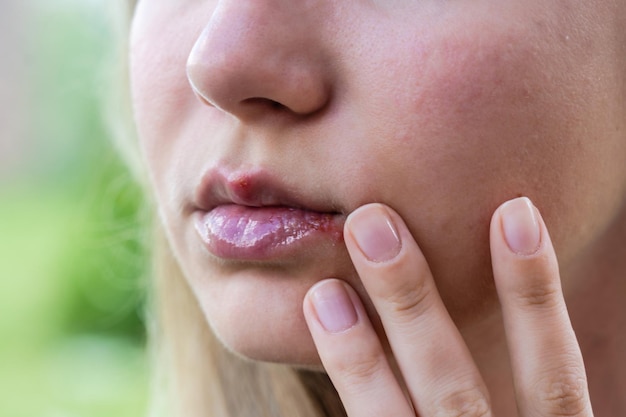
<point>246,216</point>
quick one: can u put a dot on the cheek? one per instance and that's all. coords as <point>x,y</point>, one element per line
<point>478,121</point>
<point>474,115</point>
<point>520,114</point>
<point>161,95</point>
<point>164,106</point>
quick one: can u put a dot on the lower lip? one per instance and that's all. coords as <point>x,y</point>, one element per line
<point>263,233</point>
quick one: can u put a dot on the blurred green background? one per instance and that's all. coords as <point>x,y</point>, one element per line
<point>72,261</point>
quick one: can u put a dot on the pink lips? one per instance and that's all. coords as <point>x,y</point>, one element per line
<point>248,217</point>
<point>257,233</point>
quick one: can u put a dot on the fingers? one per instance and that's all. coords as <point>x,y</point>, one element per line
<point>435,366</point>
<point>438,371</point>
<point>548,368</point>
<point>351,352</point>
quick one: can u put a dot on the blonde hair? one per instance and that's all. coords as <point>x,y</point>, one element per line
<point>194,375</point>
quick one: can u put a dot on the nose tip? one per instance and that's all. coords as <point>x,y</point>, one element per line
<point>237,85</point>
<point>242,66</point>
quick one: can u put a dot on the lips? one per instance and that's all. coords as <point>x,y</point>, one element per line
<point>248,216</point>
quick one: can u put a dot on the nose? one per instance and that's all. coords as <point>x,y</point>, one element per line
<point>259,56</point>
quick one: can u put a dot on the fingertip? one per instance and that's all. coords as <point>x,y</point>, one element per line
<point>372,231</point>
<point>522,254</point>
<point>524,262</point>
<point>517,227</point>
<point>332,304</point>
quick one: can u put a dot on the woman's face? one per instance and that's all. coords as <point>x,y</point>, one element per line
<point>301,111</point>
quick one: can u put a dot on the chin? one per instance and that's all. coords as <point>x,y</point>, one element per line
<point>293,351</point>
<point>256,311</point>
<point>264,334</point>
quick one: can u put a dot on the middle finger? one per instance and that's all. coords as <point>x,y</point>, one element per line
<point>439,372</point>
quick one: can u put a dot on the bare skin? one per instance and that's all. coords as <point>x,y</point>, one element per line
<point>438,113</point>
<point>436,368</point>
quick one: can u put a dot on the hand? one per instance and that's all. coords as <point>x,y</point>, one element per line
<point>439,373</point>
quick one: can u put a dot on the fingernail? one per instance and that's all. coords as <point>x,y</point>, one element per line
<point>520,226</point>
<point>333,306</point>
<point>375,234</point>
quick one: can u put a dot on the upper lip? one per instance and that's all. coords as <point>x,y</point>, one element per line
<point>252,188</point>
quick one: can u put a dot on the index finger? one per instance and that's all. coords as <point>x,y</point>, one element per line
<point>547,364</point>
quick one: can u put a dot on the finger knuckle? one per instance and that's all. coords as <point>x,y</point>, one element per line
<point>472,402</point>
<point>360,367</point>
<point>564,393</point>
<point>409,301</point>
<point>538,295</point>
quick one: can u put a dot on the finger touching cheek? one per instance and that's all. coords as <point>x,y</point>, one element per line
<point>548,368</point>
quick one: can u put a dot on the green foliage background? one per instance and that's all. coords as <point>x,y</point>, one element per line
<point>72,256</point>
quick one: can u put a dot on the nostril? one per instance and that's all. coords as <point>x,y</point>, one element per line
<point>265,102</point>
<point>275,105</point>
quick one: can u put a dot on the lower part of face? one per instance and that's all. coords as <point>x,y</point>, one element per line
<point>441,110</point>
